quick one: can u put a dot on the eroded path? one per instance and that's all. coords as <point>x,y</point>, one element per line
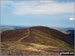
<point>28,33</point>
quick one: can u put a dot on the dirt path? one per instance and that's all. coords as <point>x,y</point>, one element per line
<point>28,33</point>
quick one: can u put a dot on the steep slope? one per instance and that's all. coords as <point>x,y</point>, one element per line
<point>39,35</point>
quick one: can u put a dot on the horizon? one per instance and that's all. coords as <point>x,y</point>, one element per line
<point>51,13</point>
<point>36,26</point>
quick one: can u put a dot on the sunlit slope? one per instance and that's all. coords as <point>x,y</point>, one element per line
<point>6,28</point>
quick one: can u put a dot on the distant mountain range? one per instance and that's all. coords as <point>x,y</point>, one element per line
<point>8,27</point>
<point>15,27</point>
<point>20,27</point>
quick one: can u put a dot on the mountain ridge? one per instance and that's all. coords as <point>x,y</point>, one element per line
<point>41,35</point>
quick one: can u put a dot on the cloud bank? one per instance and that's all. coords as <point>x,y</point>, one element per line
<point>52,8</point>
<point>41,7</point>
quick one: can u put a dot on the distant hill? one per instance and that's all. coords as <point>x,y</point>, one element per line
<point>67,31</point>
<point>8,27</point>
<point>40,35</point>
<point>70,33</point>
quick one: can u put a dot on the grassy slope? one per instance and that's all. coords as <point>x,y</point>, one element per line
<point>40,39</point>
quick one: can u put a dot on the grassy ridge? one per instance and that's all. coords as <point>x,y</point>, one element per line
<point>40,39</point>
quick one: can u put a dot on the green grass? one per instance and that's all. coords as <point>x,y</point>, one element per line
<point>47,39</point>
<point>17,46</point>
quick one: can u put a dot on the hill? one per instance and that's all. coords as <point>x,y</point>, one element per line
<point>38,38</point>
<point>3,27</point>
<point>6,28</point>
<point>67,31</point>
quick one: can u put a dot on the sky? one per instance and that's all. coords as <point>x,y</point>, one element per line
<point>50,13</point>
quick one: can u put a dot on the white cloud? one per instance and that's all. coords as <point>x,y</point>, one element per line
<point>42,7</point>
<point>52,8</point>
<point>71,19</point>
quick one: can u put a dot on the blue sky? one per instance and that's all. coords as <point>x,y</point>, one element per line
<point>51,13</point>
